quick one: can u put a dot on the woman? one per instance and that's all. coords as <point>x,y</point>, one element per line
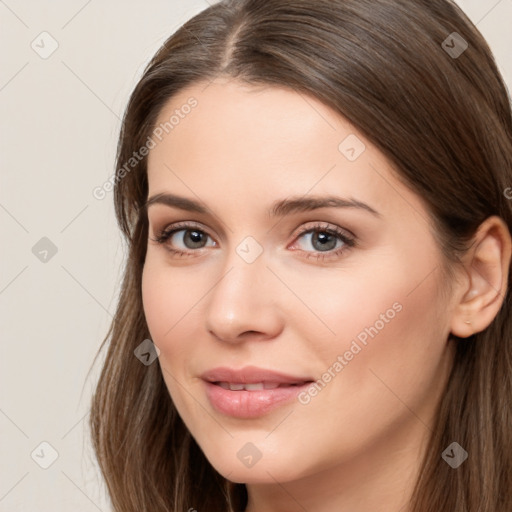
<point>314,199</point>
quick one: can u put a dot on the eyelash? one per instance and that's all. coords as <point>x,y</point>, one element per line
<point>349,242</point>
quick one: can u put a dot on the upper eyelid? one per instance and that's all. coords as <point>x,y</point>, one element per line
<point>327,227</point>
<point>179,225</point>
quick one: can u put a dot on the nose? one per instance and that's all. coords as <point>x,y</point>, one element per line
<point>244,303</point>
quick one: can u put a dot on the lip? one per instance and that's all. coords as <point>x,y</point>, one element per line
<point>251,403</point>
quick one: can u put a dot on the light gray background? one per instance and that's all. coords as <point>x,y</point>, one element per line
<point>60,118</point>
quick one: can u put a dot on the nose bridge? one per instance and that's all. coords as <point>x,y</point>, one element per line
<point>241,300</point>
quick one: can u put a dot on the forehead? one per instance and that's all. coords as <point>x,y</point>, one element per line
<point>255,144</point>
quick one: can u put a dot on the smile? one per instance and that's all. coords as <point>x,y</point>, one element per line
<point>258,386</point>
<point>250,392</point>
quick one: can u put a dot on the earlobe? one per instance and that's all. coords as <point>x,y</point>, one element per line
<point>487,267</point>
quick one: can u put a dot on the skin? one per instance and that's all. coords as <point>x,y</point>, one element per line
<point>357,445</point>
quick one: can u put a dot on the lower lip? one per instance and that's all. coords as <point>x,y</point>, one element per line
<point>250,404</point>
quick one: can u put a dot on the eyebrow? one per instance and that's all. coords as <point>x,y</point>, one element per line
<point>279,208</point>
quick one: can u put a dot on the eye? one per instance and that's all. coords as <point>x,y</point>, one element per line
<point>185,239</point>
<point>182,239</point>
<point>325,241</point>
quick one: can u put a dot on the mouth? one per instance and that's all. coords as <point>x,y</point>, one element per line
<point>256,386</point>
<point>251,392</point>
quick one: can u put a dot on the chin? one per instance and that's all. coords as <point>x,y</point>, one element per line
<point>260,474</point>
<point>246,465</point>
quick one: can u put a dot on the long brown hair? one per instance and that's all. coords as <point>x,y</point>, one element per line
<point>442,117</point>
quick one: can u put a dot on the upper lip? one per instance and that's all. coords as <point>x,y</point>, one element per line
<point>251,375</point>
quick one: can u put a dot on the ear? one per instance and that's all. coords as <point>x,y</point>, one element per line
<point>483,290</point>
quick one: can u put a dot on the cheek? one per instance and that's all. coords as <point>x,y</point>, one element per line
<point>158,300</point>
<point>392,303</point>
<point>388,328</point>
<point>390,349</point>
<point>170,316</point>
<point>165,309</point>
<point>172,307</point>
<point>168,297</point>
<point>384,369</point>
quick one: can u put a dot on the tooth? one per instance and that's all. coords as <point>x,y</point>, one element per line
<point>254,387</point>
<point>257,386</point>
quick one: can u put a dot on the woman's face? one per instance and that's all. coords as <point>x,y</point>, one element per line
<point>334,313</point>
